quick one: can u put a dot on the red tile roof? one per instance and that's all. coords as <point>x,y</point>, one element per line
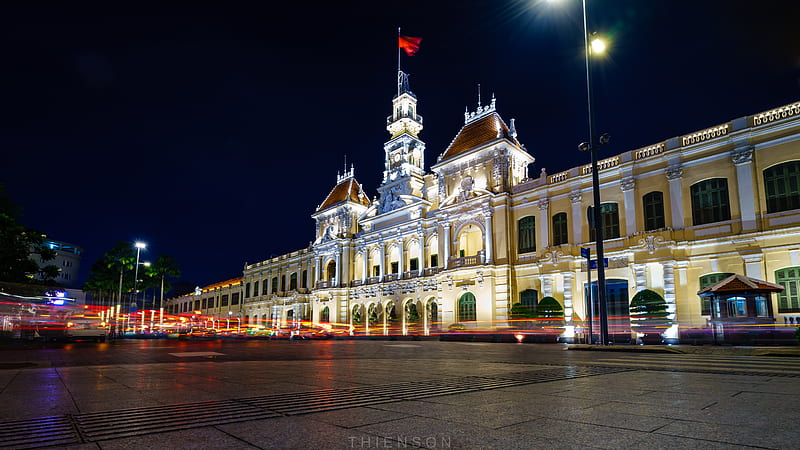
<point>348,190</point>
<point>735,283</point>
<point>478,133</point>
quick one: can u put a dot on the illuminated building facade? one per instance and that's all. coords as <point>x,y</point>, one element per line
<point>67,260</point>
<point>465,240</point>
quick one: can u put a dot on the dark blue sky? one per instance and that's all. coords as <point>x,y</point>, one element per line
<point>213,133</point>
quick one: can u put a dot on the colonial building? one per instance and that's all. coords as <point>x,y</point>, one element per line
<point>468,237</point>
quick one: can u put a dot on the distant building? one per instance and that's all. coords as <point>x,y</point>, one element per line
<point>465,240</point>
<point>68,261</point>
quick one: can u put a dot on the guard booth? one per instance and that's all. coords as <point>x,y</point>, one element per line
<point>741,311</point>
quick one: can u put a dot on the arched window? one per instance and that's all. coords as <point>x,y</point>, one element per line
<point>706,281</point>
<point>710,201</point>
<point>527,234</point>
<point>789,299</point>
<point>782,183</point>
<point>560,235</point>
<point>274,284</point>
<point>331,270</point>
<point>653,211</point>
<point>293,281</point>
<point>609,219</point>
<point>433,315</point>
<point>466,308</point>
<point>325,315</point>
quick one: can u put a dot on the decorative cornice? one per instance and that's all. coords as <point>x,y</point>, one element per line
<point>674,172</point>
<point>742,155</point>
<point>543,204</point>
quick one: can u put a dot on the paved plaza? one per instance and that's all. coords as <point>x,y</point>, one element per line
<point>203,401</point>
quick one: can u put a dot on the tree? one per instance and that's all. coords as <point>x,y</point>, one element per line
<point>163,268</point>
<point>648,312</point>
<point>550,315</point>
<point>19,245</point>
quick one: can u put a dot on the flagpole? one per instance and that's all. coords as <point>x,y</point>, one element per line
<point>398,61</point>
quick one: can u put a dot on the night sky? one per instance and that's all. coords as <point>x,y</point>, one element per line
<point>212,134</point>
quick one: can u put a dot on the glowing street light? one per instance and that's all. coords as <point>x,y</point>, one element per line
<point>595,46</point>
<point>139,246</point>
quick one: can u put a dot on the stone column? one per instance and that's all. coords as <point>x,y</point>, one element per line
<point>629,203</point>
<point>544,224</point>
<point>383,259</point>
<point>577,217</point>
<point>421,256</point>
<point>366,264</point>
<point>337,275</point>
<point>669,288</point>
<point>446,226</point>
<point>401,266</point>
<point>743,160</point>
<point>318,272</point>
<point>640,274</point>
<point>547,286</point>
<point>752,266</point>
<point>674,174</point>
<point>568,279</point>
<point>489,238</point>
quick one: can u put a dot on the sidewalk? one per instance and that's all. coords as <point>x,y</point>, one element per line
<point>383,403</point>
<point>693,349</point>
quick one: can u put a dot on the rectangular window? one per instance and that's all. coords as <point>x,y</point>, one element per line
<point>211,302</point>
<point>789,298</point>
<point>560,235</point>
<point>413,264</point>
<point>235,298</point>
<point>247,290</point>
<point>376,270</point>
<point>274,284</point>
<point>283,283</point>
<point>264,288</point>
<point>762,310</point>
<point>304,284</point>
<point>255,289</point>
<point>203,304</point>
<point>197,304</point>
<point>224,300</point>
<point>609,220</point>
<point>526,234</point>
<point>395,267</point>
<point>434,260</point>
<point>293,281</point>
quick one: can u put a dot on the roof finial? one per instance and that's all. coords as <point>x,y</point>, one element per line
<point>479,95</point>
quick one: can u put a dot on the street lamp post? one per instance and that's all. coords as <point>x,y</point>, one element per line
<point>593,145</point>
<point>139,246</point>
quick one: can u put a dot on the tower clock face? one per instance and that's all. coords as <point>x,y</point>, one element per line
<point>397,157</point>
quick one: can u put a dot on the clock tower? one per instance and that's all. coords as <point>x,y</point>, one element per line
<point>404,151</point>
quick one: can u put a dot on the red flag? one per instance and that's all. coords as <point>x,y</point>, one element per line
<point>409,44</point>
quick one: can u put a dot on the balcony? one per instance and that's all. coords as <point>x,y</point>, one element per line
<point>356,283</point>
<point>325,284</point>
<point>410,274</point>
<point>373,280</point>
<point>430,271</point>
<point>466,261</point>
<point>391,277</point>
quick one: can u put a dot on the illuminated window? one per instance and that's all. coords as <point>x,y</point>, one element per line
<point>293,281</point>
<point>789,299</point>
<point>706,281</point>
<point>653,211</point>
<point>762,308</point>
<point>466,308</point>
<point>376,270</point>
<point>526,234</point>
<point>560,235</point>
<point>737,307</point>
<point>782,183</point>
<point>710,201</point>
<point>609,218</point>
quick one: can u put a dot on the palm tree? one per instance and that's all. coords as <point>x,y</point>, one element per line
<point>164,266</point>
<point>120,257</point>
